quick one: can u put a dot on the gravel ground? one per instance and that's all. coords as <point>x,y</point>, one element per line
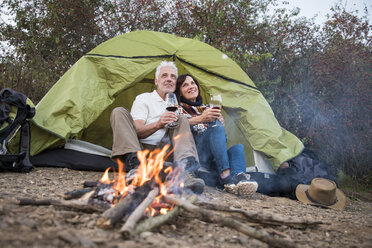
<point>51,226</point>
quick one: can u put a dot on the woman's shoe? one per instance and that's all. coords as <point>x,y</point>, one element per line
<point>240,184</point>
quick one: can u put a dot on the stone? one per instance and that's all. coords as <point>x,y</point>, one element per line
<point>69,237</point>
<point>85,242</point>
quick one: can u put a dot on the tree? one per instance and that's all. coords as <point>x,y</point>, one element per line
<point>48,37</point>
<point>343,85</point>
<point>129,15</point>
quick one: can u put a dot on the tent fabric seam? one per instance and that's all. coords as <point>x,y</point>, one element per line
<point>174,56</point>
<point>124,57</point>
<point>226,78</point>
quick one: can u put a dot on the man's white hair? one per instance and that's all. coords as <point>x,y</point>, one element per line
<point>165,64</point>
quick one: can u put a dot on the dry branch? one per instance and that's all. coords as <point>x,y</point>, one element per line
<point>114,214</point>
<point>153,222</point>
<point>209,216</point>
<point>80,204</point>
<point>76,193</point>
<point>91,184</point>
<point>265,218</point>
<point>136,215</point>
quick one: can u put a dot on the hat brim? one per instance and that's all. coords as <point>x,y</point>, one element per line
<point>301,196</point>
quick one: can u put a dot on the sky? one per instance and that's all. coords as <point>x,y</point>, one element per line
<point>309,8</point>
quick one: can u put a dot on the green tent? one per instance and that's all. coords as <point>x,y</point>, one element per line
<point>78,106</point>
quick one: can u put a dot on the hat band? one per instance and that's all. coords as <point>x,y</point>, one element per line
<point>320,203</point>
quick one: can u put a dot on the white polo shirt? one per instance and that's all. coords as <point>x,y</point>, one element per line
<point>149,107</point>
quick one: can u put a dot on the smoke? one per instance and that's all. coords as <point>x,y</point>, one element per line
<point>338,129</point>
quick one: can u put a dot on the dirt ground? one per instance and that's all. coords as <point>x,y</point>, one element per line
<point>51,226</point>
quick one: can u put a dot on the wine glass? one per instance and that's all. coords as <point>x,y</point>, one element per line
<point>216,103</point>
<point>172,105</point>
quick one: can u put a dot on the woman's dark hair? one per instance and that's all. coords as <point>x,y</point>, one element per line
<point>180,81</point>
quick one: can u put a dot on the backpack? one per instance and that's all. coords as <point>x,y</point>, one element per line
<point>12,102</point>
<point>302,170</point>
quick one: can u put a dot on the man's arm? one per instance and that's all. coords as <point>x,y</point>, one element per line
<point>144,131</point>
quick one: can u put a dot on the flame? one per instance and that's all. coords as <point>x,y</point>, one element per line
<point>151,168</point>
<point>105,178</point>
<point>164,211</point>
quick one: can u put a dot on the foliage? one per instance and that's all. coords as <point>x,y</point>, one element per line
<point>123,16</point>
<point>48,37</point>
<point>343,81</point>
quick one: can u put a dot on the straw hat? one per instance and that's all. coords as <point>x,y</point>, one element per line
<point>321,192</point>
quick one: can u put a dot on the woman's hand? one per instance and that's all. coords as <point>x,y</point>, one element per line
<point>207,116</point>
<point>210,115</point>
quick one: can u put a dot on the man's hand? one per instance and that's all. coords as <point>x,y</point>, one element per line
<point>144,131</point>
<point>166,118</point>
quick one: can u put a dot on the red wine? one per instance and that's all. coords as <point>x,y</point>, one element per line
<point>172,108</point>
<point>216,107</point>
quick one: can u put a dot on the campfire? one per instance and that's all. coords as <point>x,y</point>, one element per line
<point>153,195</point>
<point>152,173</point>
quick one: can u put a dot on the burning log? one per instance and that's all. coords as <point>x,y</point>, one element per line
<point>265,218</point>
<point>114,214</point>
<point>153,222</point>
<point>209,216</point>
<point>136,215</point>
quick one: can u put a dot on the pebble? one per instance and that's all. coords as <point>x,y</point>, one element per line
<point>85,242</point>
<point>27,222</point>
<point>145,235</point>
<point>91,224</point>
<point>69,237</point>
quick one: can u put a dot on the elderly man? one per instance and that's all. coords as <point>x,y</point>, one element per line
<point>144,128</point>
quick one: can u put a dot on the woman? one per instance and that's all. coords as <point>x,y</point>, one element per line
<point>210,138</point>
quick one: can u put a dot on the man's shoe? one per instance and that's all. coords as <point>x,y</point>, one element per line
<point>188,164</point>
<point>240,184</point>
<point>193,183</point>
<point>130,161</point>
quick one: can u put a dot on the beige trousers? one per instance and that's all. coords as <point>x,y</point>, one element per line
<point>125,139</point>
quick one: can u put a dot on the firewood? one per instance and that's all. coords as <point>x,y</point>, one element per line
<point>210,216</point>
<point>153,222</point>
<point>124,207</point>
<point>91,184</point>
<point>75,194</point>
<point>136,215</point>
<point>114,214</point>
<point>80,204</point>
<point>265,218</point>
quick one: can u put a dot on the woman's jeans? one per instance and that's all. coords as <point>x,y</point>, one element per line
<point>213,153</point>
